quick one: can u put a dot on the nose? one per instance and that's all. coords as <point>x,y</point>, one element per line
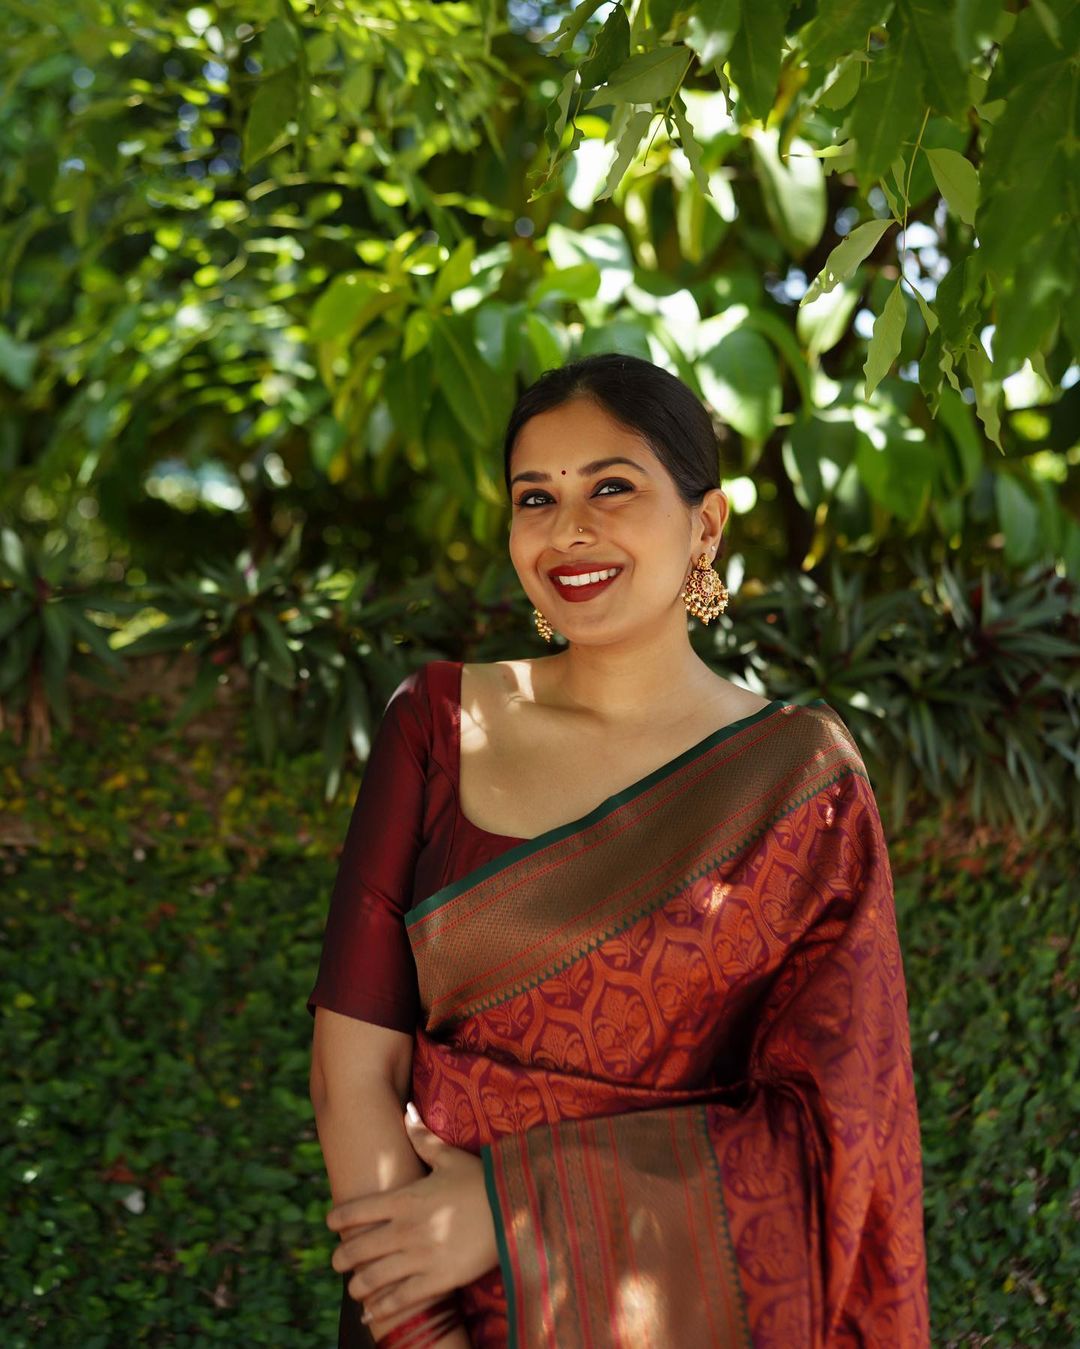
<point>571,524</point>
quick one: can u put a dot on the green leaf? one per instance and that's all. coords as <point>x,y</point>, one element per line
<point>611,50</point>
<point>794,192</point>
<point>929,317</point>
<point>476,394</point>
<point>957,181</point>
<point>276,651</point>
<point>13,558</point>
<point>418,328</point>
<point>898,469</point>
<point>14,607</point>
<point>846,257</point>
<point>274,106</point>
<point>964,444</point>
<point>649,77</point>
<point>543,340</point>
<point>1048,19</point>
<point>580,282</point>
<point>57,629</point>
<point>953,302</point>
<point>711,29</point>
<point>558,112</point>
<point>349,303</point>
<point>358,710</point>
<point>54,673</point>
<point>690,145</point>
<point>944,79</point>
<point>628,336</point>
<point>756,54</point>
<point>1019,516</point>
<point>572,25</point>
<point>843,84</point>
<point>17,360</point>
<point>839,27</point>
<point>739,377</point>
<point>888,105</point>
<point>886,339</point>
<point>279,46</point>
<point>498,331</point>
<point>1031,299</point>
<point>629,141</point>
<point>987,391</point>
<point>822,323</point>
<point>976,27</point>
<point>456,271</point>
<point>1025,168</point>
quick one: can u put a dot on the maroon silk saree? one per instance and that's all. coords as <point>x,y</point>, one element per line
<point>676,1032</point>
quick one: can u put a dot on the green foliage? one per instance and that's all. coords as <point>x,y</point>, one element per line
<point>163,1181</point>
<point>316,655</point>
<point>992,964</point>
<point>907,71</point>
<point>955,692</point>
<point>957,688</point>
<point>43,626</point>
<point>298,246</point>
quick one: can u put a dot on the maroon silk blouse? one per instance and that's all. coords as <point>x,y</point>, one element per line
<point>406,839</point>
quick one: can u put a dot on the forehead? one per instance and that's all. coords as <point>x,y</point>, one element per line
<point>573,432</point>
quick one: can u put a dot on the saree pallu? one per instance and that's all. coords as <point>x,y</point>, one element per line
<point>676,1033</point>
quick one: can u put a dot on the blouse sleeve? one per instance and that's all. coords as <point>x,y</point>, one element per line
<point>367,968</point>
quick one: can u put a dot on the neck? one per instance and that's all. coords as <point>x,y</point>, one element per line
<point>649,676</point>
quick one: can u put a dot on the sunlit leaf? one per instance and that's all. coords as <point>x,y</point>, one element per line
<point>842,262</point>
<point>885,342</point>
<point>957,180</point>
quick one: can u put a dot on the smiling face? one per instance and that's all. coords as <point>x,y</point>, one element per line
<point>627,515</point>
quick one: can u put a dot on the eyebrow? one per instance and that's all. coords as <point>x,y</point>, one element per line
<point>583,471</point>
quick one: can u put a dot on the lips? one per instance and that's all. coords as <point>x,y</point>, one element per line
<point>575,594</point>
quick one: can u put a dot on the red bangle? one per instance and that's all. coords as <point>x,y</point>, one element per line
<point>424,1328</point>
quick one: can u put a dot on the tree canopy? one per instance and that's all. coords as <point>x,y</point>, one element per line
<point>261,260</point>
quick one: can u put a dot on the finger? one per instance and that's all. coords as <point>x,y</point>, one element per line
<point>426,1143</point>
<point>405,1296</point>
<point>369,1208</point>
<point>380,1276</point>
<point>364,1247</point>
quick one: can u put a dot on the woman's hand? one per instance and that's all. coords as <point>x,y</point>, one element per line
<point>428,1237</point>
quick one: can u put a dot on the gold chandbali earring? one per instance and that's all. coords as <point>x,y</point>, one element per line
<point>705,594</point>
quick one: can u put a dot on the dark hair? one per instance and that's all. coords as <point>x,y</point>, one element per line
<point>643,397</point>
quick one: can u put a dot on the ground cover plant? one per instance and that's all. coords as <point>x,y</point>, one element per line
<point>162,1181</point>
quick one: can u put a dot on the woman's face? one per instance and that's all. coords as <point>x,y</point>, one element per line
<point>567,511</point>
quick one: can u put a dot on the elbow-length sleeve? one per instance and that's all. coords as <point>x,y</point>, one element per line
<point>367,968</point>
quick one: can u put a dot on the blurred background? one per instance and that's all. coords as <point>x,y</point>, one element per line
<point>272,275</point>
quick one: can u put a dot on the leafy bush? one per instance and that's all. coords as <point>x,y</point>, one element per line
<point>44,626</point>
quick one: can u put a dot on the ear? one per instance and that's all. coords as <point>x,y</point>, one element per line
<point>712,517</point>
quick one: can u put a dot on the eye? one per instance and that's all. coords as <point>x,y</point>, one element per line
<point>526,497</point>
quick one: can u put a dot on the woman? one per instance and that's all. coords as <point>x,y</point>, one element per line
<point>624,933</point>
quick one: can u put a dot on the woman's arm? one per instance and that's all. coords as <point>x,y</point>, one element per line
<point>360,1075</point>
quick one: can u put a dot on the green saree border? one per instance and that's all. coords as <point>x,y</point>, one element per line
<point>491,1186</point>
<point>612,803</point>
<point>491,1001</point>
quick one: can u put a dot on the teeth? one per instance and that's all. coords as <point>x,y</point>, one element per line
<point>587,578</point>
